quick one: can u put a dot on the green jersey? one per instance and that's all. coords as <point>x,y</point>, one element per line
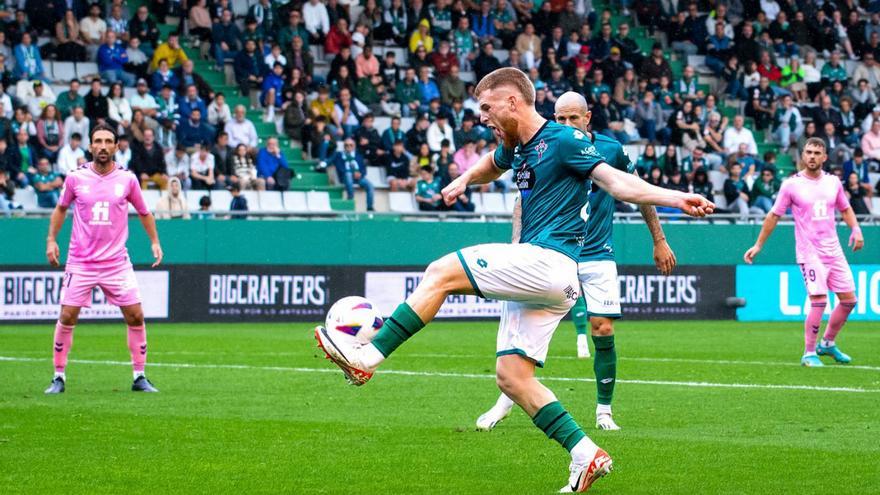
<point>552,172</point>
<point>598,244</point>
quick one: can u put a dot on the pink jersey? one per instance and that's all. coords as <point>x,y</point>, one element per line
<point>100,216</point>
<point>812,203</point>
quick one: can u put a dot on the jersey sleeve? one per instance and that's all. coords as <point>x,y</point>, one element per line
<point>68,190</point>
<point>503,157</point>
<point>783,199</point>
<point>579,155</point>
<point>840,200</point>
<point>136,198</point>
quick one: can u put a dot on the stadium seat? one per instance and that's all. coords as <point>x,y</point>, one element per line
<point>376,175</point>
<point>64,72</point>
<point>27,198</point>
<point>221,199</point>
<point>717,179</point>
<point>477,200</point>
<point>253,200</point>
<point>318,201</point>
<point>271,201</point>
<point>192,200</point>
<point>151,197</point>
<point>86,70</point>
<point>381,123</point>
<point>494,202</point>
<point>467,76</point>
<point>295,201</point>
<point>401,202</point>
<point>875,206</point>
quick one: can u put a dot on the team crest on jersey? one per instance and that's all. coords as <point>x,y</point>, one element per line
<point>540,148</point>
<point>119,190</point>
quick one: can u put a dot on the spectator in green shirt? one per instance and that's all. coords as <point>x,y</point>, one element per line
<point>70,99</point>
<point>428,190</point>
<point>833,70</point>
<point>408,93</point>
<point>47,184</point>
<point>764,191</point>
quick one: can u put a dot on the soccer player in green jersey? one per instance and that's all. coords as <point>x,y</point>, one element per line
<point>536,278</point>
<point>597,270</point>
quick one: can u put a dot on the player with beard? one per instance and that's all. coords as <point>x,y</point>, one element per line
<point>813,196</point>
<point>536,278</point>
<point>100,193</point>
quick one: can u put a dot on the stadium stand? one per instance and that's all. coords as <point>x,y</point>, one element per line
<point>703,62</point>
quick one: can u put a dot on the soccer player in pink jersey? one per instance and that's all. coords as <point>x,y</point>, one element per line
<point>100,193</point>
<point>813,196</point>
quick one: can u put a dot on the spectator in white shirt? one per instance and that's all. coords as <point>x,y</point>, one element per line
<point>177,163</point>
<point>316,20</point>
<point>6,109</point>
<point>69,155</point>
<point>142,100</point>
<point>92,29</point>
<point>123,152</point>
<point>737,134</point>
<point>241,131</point>
<point>438,131</point>
<point>201,166</point>
<point>77,123</point>
<point>218,111</point>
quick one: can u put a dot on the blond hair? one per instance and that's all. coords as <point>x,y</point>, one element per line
<point>508,76</point>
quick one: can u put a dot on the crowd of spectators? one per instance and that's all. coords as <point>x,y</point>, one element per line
<point>771,73</point>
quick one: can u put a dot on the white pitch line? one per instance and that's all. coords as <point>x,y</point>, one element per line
<point>481,376</point>
<point>669,360</point>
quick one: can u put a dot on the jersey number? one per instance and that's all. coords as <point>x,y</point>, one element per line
<point>101,211</point>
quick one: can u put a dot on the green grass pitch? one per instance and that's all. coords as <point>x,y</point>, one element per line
<point>705,407</point>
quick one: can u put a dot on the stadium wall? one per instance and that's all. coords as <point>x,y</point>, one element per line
<point>292,270</point>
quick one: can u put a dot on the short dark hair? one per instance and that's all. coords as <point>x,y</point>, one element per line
<point>814,141</point>
<point>103,127</point>
<point>76,136</point>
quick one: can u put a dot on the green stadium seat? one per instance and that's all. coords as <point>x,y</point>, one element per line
<point>785,164</point>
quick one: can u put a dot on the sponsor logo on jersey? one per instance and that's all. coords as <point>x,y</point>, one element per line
<point>591,151</point>
<point>525,180</point>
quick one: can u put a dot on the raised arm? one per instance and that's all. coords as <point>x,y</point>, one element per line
<point>856,241</point>
<point>483,172</point>
<point>629,188</point>
<point>766,229</point>
<point>53,254</point>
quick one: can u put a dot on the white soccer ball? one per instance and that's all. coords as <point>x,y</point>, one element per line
<point>355,316</point>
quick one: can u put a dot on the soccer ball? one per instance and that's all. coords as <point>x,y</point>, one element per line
<point>355,316</point>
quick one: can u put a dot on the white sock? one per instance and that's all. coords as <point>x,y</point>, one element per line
<point>370,356</point>
<point>503,404</point>
<point>138,374</point>
<point>603,409</point>
<point>60,375</point>
<point>584,451</point>
<point>827,343</point>
<point>809,354</point>
<point>582,339</point>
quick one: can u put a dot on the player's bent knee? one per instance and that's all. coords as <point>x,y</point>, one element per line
<point>446,274</point>
<point>68,315</point>
<point>601,328</point>
<point>134,317</point>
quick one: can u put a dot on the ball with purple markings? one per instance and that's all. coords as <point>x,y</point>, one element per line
<point>355,316</point>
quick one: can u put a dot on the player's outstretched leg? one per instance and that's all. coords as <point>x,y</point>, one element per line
<point>61,346</point>
<point>137,347</point>
<point>496,414</point>
<point>838,318</point>
<point>605,367</point>
<point>359,361</point>
<point>579,317</point>
<point>811,331</point>
<point>516,379</point>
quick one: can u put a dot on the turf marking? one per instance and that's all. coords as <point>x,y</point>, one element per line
<point>481,376</point>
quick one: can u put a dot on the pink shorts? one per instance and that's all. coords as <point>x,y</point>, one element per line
<point>822,276</point>
<point>119,285</point>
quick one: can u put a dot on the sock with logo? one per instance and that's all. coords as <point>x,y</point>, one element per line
<point>400,326</point>
<point>605,366</point>
<point>137,346</point>
<point>838,319</point>
<point>558,425</point>
<point>812,324</point>
<point>62,343</point>
<point>579,316</point>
